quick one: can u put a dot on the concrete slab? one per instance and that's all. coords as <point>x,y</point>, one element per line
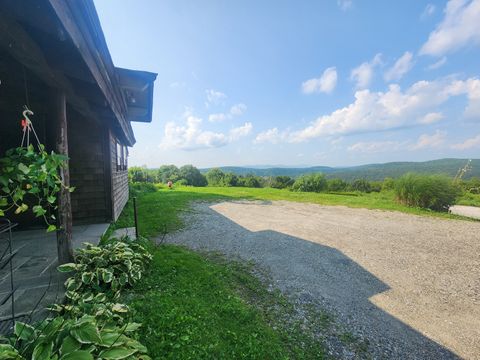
<point>468,211</point>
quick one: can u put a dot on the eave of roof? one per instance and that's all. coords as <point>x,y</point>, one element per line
<point>81,22</point>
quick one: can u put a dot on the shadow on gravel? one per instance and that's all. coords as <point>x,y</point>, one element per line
<point>304,268</point>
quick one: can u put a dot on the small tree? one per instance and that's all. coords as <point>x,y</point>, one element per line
<point>168,173</point>
<point>310,183</point>
<point>337,185</point>
<point>215,177</point>
<point>282,182</point>
<point>192,176</point>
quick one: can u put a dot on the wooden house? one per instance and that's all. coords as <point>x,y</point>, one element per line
<point>54,59</point>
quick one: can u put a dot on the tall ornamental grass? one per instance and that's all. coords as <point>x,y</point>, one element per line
<point>435,192</point>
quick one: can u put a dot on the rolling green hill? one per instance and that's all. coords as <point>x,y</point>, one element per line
<point>369,172</point>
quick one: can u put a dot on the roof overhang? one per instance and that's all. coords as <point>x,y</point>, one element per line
<point>137,88</point>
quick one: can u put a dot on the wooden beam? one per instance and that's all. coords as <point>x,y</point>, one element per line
<point>64,216</point>
<point>16,42</point>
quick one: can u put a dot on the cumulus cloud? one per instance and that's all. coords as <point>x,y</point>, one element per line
<point>235,110</point>
<point>363,73</point>
<point>394,108</point>
<point>271,136</point>
<point>430,141</point>
<point>468,143</point>
<point>460,27</point>
<point>400,68</point>
<point>190,135</point>
<point>325,83</point>
<point>345,5</point>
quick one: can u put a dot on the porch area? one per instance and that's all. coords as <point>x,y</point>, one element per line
<point>36,282</point>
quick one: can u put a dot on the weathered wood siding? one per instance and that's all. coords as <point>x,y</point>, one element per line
<point>119,181</point>
<point>87,170</point>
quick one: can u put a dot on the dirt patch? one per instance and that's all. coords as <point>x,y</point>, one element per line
<point>408,284</point>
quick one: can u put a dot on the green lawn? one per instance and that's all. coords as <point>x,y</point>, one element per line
<point>159,209</point>
<point>195,306</point>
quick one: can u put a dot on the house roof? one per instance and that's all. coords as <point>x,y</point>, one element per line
<point>62,43</point>
<point>129,93</point>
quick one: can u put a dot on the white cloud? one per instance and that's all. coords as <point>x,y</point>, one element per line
<point>431,118</point>
<point>238,109</point>
<point>375,146</point>
<point>428,11</point>
<point>345,5</point>
<point>217,117</point>
<point>363,73</point>
<point>400,68</point>
<point>460,27</point>
<point>235,110</point>
<point>214,97</point>
<point>271,135</point>
<point>377,111</point>
<point>241,131</point>
<point>467,144</point>
<point>326,83</point>
<point>429,141</point>
<point>190,136</point>
<point>438,64</point>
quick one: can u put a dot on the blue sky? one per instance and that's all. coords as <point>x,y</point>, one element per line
<point>298,83</point>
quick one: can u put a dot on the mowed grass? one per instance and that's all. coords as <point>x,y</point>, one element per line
<point>195,306</point>
<point>159,211</point>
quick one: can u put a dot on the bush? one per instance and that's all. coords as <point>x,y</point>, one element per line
<point>192,176</point>
<point>250,181</point>
<point>435,192</point>
<point>361,185</point>
<point>310,183</point>
<point>215,177</point>
<point>281,182</point>
<point>229,179</point>
<point>388,184</point>
<point>336,185</point>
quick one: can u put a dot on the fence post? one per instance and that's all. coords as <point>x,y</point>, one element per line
<point>135,215</point>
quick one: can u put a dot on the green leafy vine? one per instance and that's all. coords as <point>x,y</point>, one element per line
<point>31,176</point>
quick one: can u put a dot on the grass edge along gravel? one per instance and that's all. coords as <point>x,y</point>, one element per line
<point>160,211</point>
<point>202,305</point>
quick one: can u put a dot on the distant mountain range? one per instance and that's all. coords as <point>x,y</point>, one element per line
<point>449,167</point>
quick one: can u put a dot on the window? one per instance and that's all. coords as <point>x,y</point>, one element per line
<point>122,156</point>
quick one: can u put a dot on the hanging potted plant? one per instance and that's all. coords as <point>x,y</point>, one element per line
<point>30,175</point>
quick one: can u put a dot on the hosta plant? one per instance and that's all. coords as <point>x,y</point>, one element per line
<point>105,269</point>
<point>30,181</point>
<point>84,338</point>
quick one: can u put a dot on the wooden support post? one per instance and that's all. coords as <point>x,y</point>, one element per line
<point>64,217</point>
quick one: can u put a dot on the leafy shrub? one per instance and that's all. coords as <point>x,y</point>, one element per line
<point>105,269</point>
<point>229,179</point>
<point>88,325</point>
<point>215,177</point>
<point>310,183</point>
<point>281,182</point>
<point>435,192</point>
<point>361,185</point>
<point>140,188</point>
<point>336,185</point>
<point>182,182</point>
<point>84,338</point>
<point>192,176</point>
<point>250,181</point>
<point>388,184</point>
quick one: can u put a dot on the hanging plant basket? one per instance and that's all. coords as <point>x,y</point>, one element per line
<point>29,173</point>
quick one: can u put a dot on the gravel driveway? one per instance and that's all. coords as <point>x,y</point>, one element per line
<point>408,284</point>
